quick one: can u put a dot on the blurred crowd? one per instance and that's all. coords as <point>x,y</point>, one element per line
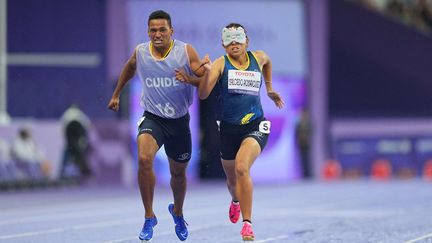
<point>23,161</point>
<point>416,13</point>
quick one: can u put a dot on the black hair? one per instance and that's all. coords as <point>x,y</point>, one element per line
<point>235,25</point>
<point>160,14</point>
<point>24,133</point>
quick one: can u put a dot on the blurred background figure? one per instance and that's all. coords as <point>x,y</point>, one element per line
<point>8,170</point>
<point>416,13</point>
<point>423,15</point>
<point>303,130</point>
<point>75,126</point>
<point>28,155</point>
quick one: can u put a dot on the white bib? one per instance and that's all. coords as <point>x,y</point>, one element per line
<point>244,82</point>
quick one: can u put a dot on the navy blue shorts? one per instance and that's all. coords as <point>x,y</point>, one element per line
<point>173,133</point>
<point>233,135</point>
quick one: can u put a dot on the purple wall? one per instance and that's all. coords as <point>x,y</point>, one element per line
<point>56,27</point>
<point>378,67</point>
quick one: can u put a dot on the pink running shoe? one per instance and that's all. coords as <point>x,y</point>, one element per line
<point>247,233</point>
<point>234,212</point>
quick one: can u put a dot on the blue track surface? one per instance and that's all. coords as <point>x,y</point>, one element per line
<point>346,211</point>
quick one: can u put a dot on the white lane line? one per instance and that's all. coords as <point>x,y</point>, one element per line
<point>280,237</point>
<point>420,238</point>
<point>88,212</point>
<point>78,227</point>
<point>98,225</point>
<point>51,217</point>
<point>55,213</point>
<point>27,234</point>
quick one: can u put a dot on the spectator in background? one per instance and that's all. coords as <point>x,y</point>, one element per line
<point>397,9</point>
<point>370,4</point>
<point>303,130</point>
<point>417,13</point>
<point>423,15</point>
<point>8,170</point>
<point>27,154</point>
<point>75,126</point>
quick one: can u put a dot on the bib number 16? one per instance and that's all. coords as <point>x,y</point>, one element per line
<point>168,110</point>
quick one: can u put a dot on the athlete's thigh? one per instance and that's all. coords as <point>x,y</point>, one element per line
<point>147,146</point>
<point>179,146</point>
<point>150,137</point>
<point>248,152</point>
<point>230,144</point>
<point>229,168</point>
<point>260,131</point>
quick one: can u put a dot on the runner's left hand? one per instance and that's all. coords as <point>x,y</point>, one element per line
<point>277,99</point>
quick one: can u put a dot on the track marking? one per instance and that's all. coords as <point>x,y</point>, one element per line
<point>100,224</point>
<point>33,233</point>
<point>420,238</point>
<point>77,227</point>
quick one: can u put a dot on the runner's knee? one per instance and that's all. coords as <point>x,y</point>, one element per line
<point>145,161</point>
<point>241,170</point>
<point>178,173</point>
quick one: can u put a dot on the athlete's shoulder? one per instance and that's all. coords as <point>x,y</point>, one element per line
<point>219,63</point>
<point>259,53</point>
<point>190,50</point>
<point>261,56</point>
<point>220,59</point>
<point>180,43</point>
<point>142,46</point>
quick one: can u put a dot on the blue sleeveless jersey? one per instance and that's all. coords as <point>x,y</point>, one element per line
<point>162,94</point>
<point>239,99</point>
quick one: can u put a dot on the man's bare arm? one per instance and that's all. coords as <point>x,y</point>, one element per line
<point>211,78</point>
<point>127,73</point>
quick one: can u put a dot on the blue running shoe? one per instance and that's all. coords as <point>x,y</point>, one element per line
<point>147,230</point>
<point>180,224</point>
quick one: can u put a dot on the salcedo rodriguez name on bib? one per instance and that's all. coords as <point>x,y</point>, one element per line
<point>244,82</point>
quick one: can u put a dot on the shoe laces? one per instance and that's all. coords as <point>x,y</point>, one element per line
<point>235,207</point>
<point>181,222</point>
<point>148,224</point>
<point>247,229</point>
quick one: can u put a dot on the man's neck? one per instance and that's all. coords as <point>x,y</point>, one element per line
<point>161,52</point>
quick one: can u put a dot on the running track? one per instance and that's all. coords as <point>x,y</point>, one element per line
<point>341,211</point>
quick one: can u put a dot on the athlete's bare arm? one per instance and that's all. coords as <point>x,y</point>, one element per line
<point>127,73</point>
<point>197,67</point>
<point>266,66</point>
<point>211,77</point>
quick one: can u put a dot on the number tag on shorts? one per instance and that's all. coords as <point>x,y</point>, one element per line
<point>140,121</point>
<point>264,127</point>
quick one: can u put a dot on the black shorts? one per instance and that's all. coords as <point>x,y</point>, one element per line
<point>233,135</point>
<point>173,133</point>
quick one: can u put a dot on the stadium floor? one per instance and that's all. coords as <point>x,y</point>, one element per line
<point>340,211</point>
